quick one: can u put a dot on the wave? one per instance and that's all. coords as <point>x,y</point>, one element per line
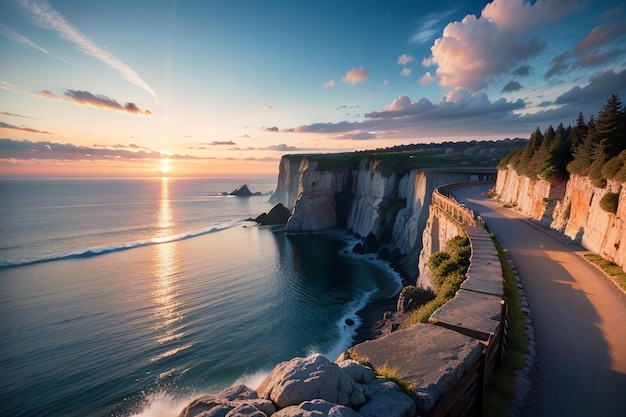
<point>101,250</point>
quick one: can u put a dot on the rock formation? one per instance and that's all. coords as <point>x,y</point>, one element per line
<point>279,214</point>
<point>244,191</point>
<point>308,387</point>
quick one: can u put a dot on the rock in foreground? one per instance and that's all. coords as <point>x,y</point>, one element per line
<point>308,387</point>
<point>279,214</point>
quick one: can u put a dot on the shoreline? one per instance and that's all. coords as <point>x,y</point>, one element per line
<point>373,321</point>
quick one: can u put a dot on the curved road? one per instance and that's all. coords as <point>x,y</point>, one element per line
<point>579,318</point>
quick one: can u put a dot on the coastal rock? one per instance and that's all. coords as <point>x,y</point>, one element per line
<point>386,400</point>
<point>305,379</point>
<point>238,399</point>
<point>359,373</point>
<point>244,191</point>
<point>279,214</point>
<point>316,408</point>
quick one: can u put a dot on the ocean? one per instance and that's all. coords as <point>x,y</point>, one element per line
<point>128,297</point>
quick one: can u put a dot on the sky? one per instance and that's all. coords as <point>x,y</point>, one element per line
<point>224,88</point>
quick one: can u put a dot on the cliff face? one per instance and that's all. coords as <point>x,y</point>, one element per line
<point>363,201</point>
<point>440,228</point>
<point>573,208</point>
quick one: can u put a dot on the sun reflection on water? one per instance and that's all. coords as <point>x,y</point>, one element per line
<point>165,271</point>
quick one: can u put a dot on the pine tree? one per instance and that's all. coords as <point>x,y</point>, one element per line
<point>610,128</point>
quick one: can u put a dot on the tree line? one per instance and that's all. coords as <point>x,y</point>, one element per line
<point>596,148</point>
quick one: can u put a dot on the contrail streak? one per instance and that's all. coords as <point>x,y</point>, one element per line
<point>16,37</point>
<point>49,18</point>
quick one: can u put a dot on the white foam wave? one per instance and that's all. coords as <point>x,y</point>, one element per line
<point>99,250</point>
<point>162,404</point>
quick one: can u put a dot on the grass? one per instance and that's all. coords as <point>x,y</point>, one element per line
<point>391,374</point>
<point>501,385</point>
<point>610,268</point>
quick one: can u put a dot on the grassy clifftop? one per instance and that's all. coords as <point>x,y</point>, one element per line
<point>402,159</point>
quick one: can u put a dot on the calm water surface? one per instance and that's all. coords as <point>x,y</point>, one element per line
<point>128,297</point>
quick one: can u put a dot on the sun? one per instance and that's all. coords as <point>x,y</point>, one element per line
<point>165,166</point>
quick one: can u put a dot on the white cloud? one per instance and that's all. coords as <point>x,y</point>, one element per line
<point>269,107</point>
<point>405,59</point>
<point>473,50</point>
<point>405,72</point>
<point>329,84</point>
<point>426,79</point>
<point>49,18</point>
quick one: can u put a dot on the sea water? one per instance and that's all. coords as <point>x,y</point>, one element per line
<point>124,297</point>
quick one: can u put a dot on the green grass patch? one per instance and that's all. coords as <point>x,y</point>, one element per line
<point>610,268</point>
<point>501,387</point>
<point>392,374</point>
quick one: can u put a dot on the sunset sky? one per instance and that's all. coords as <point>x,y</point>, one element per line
<point>224,88</point>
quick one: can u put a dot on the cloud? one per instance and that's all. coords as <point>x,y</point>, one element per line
<point>426,79</point>
<point>405,59</point>
<point>329,84</point>
<point>405,72</point>
<point>559,64</point>
<point>356,75</point>
<point>269,107</point>
<point>26,149</point>
<point>349,106</point>
<point>6,113</point>
<point>47,94</point>
<point>85,98</point>
<point>49,18</point>
<point>594,58</point>
<point>356,135</point>
<point>601,35</point>
<point>522,70</point>
<point>428,27</point>
<point>599,88</point>
<point>511,86</point>
<point>23,128</point>
<point>270,129</point>
<point>16,37</point>
<point>6,86</point>
<point>217,142</point>
<point>472,51</point>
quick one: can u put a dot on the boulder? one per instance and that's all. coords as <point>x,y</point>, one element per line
<point>316,408</point>
<point>305,379</point>
<point>361,374</point>
<point>237,400</point>
<point>385,399</point>
<point>279,214</point>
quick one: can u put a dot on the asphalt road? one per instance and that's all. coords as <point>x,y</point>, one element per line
<point>579,318</point>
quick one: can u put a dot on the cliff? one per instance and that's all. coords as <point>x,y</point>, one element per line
<point>571,207</point>
<point>362,200</point>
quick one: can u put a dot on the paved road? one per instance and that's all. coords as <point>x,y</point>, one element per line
<point>579,318</point>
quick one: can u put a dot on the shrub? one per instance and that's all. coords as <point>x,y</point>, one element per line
<point>609,202</point>
<point>415,297</point>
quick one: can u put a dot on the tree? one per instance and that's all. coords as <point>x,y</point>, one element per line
<point>611,127</point>
<point>558,155</point>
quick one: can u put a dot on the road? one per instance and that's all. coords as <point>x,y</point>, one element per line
<point>579,318</point>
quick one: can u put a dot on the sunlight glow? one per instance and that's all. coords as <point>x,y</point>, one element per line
<point>165,165</point>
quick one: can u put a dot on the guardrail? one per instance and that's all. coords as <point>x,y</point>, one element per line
<point>484,284</point>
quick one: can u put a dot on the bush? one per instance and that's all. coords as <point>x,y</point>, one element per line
<point>609,202</point>
<point>415,297</point>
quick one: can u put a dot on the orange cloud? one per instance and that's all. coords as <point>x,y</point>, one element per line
<point>356,75</point>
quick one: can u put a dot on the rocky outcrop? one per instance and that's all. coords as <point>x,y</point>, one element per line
<point>244,191</point>
<point>571,207</point>
<point>278,215</point>
<point>308,387</point>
